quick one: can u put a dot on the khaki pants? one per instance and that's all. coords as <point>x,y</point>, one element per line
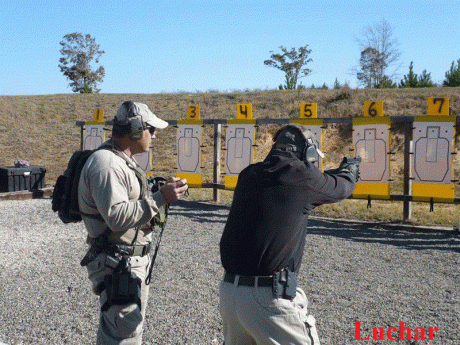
<point>121,324</point>
<point>251,316</point>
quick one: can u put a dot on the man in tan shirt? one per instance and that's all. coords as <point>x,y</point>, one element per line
<point>117,208</point>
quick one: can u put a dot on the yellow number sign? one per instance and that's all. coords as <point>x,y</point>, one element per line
<point>98,115</point>
<point>373,108</point>
<point>193,112</point>
<point>438,106</point>
<point>244,111</point>
<point>308,110</point>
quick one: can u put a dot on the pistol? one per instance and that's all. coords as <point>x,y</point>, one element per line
<point>352,160</point>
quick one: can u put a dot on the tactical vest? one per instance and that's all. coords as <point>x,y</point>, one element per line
<point>132,234</point>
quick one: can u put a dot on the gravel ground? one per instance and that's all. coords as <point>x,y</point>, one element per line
<point>351,272</point>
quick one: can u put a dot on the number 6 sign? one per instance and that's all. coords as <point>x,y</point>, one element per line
<point>373,109</point>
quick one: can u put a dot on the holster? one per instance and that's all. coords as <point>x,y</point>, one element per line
<point>122,286</point>
<point>284,284</point>
<point>90,256</point>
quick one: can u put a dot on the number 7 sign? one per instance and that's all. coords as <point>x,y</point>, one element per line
<point>438,106</point>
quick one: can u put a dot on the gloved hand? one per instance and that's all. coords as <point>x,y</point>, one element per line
<point>347,165</point>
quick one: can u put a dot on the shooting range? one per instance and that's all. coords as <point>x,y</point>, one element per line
<point>428,164</point>
<point>308,117</point>
<point>371,141</point>
<point>407,276</point>
<point>240,140</point>
<point>94,134</point>
<point>188,140</point>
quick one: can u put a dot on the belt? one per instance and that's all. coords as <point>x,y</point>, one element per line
<point>137,250</point>
<point>266,281</point>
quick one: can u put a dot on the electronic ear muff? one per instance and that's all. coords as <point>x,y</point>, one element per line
<point>309,152</point>
<point>134,121</point>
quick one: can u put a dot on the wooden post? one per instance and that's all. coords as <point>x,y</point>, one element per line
<point>216,168</point>
<point>82,130</point>
<point>408,152</point>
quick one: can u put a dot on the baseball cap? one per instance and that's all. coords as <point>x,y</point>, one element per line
<point>142,110</point>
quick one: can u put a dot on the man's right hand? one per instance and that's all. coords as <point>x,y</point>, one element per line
<point>174,189</point>
<point>347,165</point>
<point>351,166</point>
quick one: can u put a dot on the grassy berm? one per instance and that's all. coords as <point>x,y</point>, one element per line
<point>42,130</point>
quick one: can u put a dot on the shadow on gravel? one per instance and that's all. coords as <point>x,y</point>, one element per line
<point>408,238</point>
<point>384,234</point>
<point>199,211</point>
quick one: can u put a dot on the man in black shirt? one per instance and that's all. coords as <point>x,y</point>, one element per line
<point>263,241</point>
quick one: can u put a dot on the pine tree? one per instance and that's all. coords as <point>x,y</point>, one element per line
<point>453,75</point>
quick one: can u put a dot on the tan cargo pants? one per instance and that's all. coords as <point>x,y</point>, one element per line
<point>251,316</point>
<point>120,324</point>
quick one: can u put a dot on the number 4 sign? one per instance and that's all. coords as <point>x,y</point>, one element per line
<point>244,111</point>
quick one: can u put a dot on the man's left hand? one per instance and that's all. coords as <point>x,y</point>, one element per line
<point>174,189</point>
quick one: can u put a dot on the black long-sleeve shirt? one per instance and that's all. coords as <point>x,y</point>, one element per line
<point>267,223</point>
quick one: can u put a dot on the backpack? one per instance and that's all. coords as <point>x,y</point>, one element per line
<point>65,194</point>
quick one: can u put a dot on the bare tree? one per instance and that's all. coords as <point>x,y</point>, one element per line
<point>379,52</point>
<point>292,63</point>
<point>78,52</point>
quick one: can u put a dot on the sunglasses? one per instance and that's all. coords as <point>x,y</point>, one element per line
<point>150,129</point>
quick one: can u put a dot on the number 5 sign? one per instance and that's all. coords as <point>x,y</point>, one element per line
<point>308,110</point>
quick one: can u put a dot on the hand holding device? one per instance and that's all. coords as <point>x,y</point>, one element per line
<point>174,189</point>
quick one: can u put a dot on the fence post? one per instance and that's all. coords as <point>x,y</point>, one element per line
<point>82,130</point>
<point>408,150</point>
<point>216,168</point>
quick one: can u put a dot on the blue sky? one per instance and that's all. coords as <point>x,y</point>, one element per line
<point>199,46</point>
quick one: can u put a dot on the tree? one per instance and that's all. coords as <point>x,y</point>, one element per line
<point>337,84</point>
<point>413,80</point>
<point>453,75</point>
<point>410,80</point>
<point>292,63</point>
<point>372,64</point>
<point>425,80</point>
<point>386,83</point>
<point>78,52</point>
<point>378,52</point>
